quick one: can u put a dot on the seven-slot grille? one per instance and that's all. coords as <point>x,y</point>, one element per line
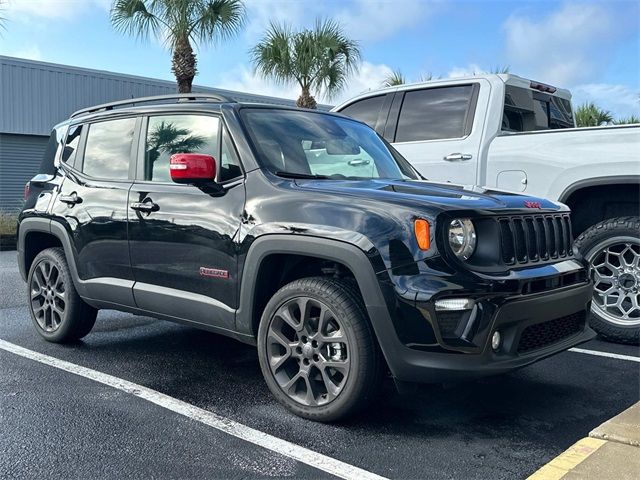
<point>535,238</point>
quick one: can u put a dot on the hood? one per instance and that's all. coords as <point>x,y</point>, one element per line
<point>443,196</point>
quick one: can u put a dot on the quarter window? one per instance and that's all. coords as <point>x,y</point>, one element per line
<point>108,149</point>
<point>366,110</point>
<point>229,164</point>
<point>167,135</point>
<point>434,113</point>
<point>71,146</point>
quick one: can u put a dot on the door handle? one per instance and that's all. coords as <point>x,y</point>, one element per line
<point>357,162</point>
<point>455,157</point>
<point>70,199</point>
<point>147,207</point>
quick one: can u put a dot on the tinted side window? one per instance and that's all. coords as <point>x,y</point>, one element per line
<point>526,110</point>
<point>366,110</point>
<point>434,113</point>
<point>229,163</point>
<point>71,145</point>
<point>171,134</point>
<point>108,149</point>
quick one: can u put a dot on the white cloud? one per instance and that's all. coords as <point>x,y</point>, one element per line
<point>242,78</point>
<point>373,20</point>
<point>559,48</point>
<point>364,20</point>
<point>53,8</point>
<point>31,52</point>
<point>468,71</point>
<point>620,100</point>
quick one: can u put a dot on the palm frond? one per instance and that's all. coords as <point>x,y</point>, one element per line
<point>217,20</point>
<point>590,115</point>
<point>137,17</point>
<point>631,119</point>
<point>394,79</point>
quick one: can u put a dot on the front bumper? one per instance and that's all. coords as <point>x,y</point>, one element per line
<point>541,320</point>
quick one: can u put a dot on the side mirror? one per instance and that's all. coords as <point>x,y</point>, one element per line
<point>192,168</point>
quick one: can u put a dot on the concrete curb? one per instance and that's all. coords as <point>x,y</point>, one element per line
<point>612,450</point>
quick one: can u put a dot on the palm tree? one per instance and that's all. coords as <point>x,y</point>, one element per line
<point>627,120</point>
<point>394,79</point>
<point>167,138</point>
<point>590,115</point>
<point>180,23</point>
<point>319,59</point>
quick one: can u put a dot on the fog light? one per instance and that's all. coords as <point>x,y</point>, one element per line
<point>496,340</point>
<point>453,304</point>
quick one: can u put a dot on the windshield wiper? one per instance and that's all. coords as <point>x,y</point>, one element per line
<point>300,175</point>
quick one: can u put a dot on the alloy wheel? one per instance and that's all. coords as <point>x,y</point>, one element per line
<point>308,351</point>
<point>616,266</point>
<point>48,296</point>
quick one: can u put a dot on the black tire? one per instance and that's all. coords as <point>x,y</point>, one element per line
<point>57,311</point>
<point>618,234</point>
<point>361,382</point>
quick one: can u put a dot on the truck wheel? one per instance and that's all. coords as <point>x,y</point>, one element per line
<point>57,311</point>
<point>317,350</point>
<point>612,247</point>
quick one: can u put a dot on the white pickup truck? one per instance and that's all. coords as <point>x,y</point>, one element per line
<point>507,132</point>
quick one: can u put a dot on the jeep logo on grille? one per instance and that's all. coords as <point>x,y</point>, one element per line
<point>530,204</point>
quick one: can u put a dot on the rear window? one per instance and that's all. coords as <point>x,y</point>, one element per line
<point>108,149</point>
<point>435,113</point>
<point>527,110</point>
<point>366,110</point>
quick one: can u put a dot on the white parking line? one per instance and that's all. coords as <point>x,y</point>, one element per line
<point>606,354</point>
<point>248,434</point>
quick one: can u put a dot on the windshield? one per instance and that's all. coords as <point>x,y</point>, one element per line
<point>296,143</point>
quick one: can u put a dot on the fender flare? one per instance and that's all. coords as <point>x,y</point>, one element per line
<point>597,182</point>
<point>44,225</point>
<point>349,255</point>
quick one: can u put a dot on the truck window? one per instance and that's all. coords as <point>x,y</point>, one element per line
<point>434,113</point>
<point>366,110</point>
<point>526,110</point>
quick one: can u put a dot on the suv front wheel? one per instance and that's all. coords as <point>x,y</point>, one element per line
<point>317,350</point>
<point>57,311</point>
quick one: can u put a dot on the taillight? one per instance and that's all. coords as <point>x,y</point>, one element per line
<point>27,189</point>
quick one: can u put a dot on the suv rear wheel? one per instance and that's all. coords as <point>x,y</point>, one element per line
<point>317,350</point>
<point>57,311</point>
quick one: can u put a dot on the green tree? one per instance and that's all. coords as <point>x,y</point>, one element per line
<point>590,115</point>
<point>627,120</point>
<point>394,79</point>
<point>167,138</point>
<point>180,23</point>
<point>320,60</point>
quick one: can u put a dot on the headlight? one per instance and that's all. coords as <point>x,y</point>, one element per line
<point>462,238</point>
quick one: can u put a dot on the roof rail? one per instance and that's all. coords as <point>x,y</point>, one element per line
<point>181,97</point>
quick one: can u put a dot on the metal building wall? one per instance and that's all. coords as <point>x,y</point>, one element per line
<point>20,157</point>
<point>34,96</point>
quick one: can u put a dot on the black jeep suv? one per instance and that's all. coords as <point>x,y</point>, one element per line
<point>302,232</point>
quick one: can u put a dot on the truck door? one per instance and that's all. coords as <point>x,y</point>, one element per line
<point>436,129</point>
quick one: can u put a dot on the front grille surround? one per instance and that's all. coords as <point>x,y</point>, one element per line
<point>531,239</point>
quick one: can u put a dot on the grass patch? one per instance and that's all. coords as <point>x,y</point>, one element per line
<point>8,224</point>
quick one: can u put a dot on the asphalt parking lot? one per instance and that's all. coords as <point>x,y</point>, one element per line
<point>55,424</point>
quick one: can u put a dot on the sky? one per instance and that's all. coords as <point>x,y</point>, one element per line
<point>589,47</point>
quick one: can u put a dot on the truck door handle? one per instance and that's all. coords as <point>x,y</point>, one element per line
<point>70,199</point>
<point>357,162</point>
<point>147,207</point>
<point>455,157</point>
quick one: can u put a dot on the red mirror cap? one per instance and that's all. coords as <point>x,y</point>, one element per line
<point>192,167</point>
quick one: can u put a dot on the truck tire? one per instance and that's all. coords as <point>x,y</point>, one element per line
<point>57,311</point>
<point>612,247</point>
<point>317,350</point>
